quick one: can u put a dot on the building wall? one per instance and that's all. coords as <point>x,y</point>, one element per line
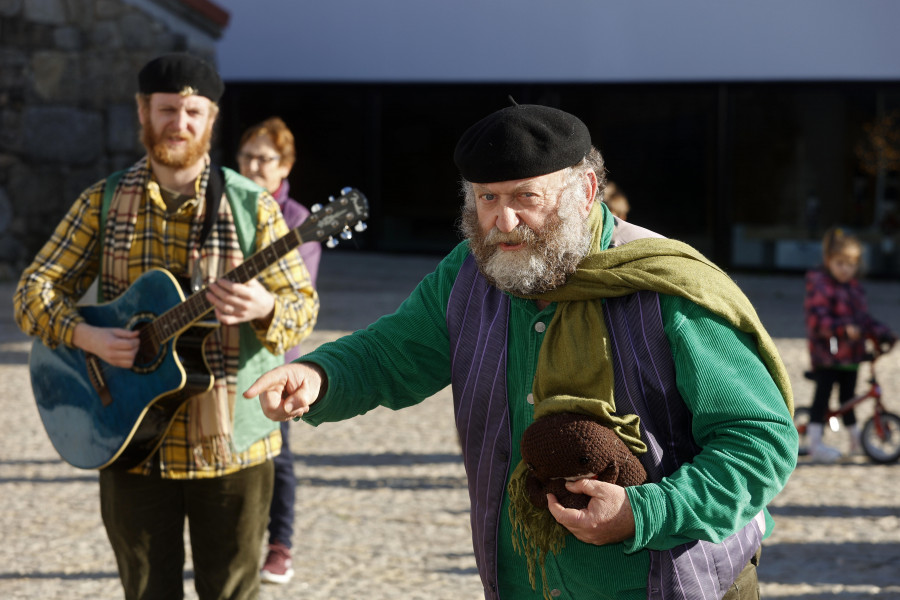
<point>731,125</point>
<point>68,75</point>
<point>571,41</point>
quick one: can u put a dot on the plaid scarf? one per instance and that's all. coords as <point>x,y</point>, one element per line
<point>127,254</point>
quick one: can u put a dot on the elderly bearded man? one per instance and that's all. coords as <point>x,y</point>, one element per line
<point>553,305</point>
<point>214,465</point>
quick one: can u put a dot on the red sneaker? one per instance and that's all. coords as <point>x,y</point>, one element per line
<point>277,568</point>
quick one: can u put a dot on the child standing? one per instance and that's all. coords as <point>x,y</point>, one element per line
<point>837,326</point>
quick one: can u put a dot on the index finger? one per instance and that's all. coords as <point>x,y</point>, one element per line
<point>273,381</point>
<point>124,333</point>
<point>227,285</point>
<point>591,487</point>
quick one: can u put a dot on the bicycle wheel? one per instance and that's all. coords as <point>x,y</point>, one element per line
<point>801,420</point>
<point>880,438</point>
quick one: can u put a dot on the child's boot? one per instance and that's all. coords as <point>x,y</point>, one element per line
<point>818,451</point>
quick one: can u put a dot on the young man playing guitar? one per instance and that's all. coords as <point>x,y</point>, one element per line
<point>211,460</point>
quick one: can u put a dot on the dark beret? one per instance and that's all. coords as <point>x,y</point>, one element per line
<point>525,140</point>
<point>180,74</point>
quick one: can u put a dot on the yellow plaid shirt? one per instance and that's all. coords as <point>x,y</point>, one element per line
<point>49,289</point>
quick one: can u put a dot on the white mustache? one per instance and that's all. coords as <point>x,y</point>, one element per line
<point>521,234</point>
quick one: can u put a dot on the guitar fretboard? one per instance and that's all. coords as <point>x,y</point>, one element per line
<point>182,316</point>
<point>339,214</point>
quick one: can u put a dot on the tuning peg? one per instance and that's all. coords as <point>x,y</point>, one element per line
<point>315,207</point>
<point>346,190</point>
<point>331,243</point>
<point>346,234</point>
<point>360,226</point>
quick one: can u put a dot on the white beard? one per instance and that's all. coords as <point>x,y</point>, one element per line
<point>521,271</point>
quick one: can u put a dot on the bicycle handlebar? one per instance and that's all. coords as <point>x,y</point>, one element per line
<point>879,348</point>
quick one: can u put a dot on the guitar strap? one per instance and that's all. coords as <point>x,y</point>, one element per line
<point>214,190</point>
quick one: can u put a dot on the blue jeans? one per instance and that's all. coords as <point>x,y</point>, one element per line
<point>281,514</point>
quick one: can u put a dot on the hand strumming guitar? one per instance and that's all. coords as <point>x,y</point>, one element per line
<point>113,345</point>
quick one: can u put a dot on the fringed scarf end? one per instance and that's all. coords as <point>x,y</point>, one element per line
<point>534,530</point>
<point>215,450</point>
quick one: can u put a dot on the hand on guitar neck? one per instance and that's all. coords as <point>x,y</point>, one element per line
<point>240,302</point>
<point>288,391</point>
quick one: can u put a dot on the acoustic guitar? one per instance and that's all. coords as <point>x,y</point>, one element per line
<point>98,415</point>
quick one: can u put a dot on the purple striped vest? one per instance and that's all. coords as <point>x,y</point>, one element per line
<point>644,370</point>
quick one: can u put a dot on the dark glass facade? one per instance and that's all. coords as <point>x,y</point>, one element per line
<point>749,173</point>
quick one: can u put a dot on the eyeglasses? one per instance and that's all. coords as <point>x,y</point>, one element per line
<point>263,160</point>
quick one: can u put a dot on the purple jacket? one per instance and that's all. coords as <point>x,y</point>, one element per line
<point>311,252</point>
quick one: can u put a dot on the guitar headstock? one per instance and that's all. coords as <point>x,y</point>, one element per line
<point>333,219</point>
<point>337,217</point>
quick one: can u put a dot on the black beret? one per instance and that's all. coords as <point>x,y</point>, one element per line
<point>180,74</point>
<point>525,140</point>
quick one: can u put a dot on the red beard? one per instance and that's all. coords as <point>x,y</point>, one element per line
<point>190,154</point>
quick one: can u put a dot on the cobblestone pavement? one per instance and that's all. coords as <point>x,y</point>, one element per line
<point>382,508</point>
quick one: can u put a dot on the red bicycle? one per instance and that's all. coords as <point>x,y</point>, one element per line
<point>880,435</point>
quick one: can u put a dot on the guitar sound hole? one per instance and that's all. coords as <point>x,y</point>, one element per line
<point>150,353</point>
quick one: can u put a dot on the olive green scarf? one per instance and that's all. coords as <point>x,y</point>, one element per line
<point>577,337</point>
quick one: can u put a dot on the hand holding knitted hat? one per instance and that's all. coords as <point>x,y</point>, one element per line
<point>564,447</point>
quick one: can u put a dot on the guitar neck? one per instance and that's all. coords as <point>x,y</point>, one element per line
<point>182,316</point>
<point>347,210</point>
<point>265,257</point>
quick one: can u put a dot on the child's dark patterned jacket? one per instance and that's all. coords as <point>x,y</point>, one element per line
<point>830,307</point>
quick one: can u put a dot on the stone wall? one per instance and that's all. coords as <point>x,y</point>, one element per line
<point>68,75</point>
